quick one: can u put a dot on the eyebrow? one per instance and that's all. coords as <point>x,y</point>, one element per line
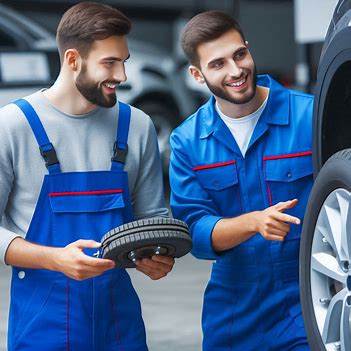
<point>244,48</point>
<point>113,58</point>
<point>221,58</point>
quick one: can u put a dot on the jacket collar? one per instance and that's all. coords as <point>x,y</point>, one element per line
<point>275,112</point>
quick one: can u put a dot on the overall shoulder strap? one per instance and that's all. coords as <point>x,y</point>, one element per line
<point>120,148</point>
<point>46,148</point>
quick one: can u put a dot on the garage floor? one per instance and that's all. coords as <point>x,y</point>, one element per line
<point>171,306</point>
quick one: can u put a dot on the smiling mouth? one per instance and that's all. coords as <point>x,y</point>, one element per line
<point>110,88</point>
<point>238,84</point>
<point>110,85</point>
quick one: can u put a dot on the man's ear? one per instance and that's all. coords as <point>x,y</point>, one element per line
<point>197,74</point>
<point>72,59</point>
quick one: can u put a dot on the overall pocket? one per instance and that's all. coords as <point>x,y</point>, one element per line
<point>84,215</point>
<point>289,177</point>
<point>285,260</point>
<point>38,311</point>
<point>220,181</point>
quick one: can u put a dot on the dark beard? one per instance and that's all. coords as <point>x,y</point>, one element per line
<point>221,93</point>
<point>92,92</point>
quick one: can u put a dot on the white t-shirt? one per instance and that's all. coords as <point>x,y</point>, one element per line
<point>243,127</point>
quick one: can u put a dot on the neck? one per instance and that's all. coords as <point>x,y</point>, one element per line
<point>66,97</point>
<point>240,110</point>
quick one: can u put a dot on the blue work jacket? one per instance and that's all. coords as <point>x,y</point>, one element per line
<point>210,179</point>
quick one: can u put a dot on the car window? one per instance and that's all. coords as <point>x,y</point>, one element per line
<point>34,67</point>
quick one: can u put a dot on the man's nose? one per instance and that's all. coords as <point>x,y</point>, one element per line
<point>120,74</point>
<point>235,70</point>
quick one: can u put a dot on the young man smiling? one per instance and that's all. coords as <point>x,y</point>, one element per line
<point>241,173</point>
<point>60,199</point>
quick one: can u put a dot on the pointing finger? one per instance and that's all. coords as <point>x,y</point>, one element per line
<point>283,217</point>
<point>282,206</point>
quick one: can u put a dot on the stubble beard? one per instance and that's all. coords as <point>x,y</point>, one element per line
<point>220,92</point>
<point>92,92</point>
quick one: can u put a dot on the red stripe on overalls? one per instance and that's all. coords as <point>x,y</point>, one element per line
<point>95,192</point>
<point>300,154</point>
<point>214,165</point>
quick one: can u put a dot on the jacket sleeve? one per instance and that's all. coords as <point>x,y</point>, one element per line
<point>190,202</point>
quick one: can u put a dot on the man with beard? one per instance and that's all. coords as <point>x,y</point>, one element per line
<point>61,296</point>
<point>240,173</point>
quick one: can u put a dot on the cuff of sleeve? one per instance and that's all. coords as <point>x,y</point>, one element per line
<point>6,239</point>
<point>202,241</point>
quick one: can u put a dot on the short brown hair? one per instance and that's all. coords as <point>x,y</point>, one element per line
<point>86,22</point>
<point>204,27</point>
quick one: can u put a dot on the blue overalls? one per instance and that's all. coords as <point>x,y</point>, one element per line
<point>252,299</point>
<point>50,311</point>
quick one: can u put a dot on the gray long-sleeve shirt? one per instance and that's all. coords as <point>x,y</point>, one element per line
<point>82,143</point>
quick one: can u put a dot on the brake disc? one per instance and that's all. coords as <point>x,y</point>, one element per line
<point>145,238</point>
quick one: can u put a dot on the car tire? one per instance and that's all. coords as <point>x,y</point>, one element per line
<point>331,122</point>
<point>144,238</point>
<point>325,257</point>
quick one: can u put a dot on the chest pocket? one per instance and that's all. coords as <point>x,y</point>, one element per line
<point>85,215</point>
<point>220,181</point>
<point>289,177</point>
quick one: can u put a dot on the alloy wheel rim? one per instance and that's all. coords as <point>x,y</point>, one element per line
<point>331,271</point>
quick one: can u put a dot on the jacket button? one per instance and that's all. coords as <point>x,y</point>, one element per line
<point>21,274</point>
<point>289,175</point>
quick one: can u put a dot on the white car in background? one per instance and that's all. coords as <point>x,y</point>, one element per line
<point>29,61</point>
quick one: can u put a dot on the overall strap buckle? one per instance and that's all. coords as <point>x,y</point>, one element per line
<point>49,155</point>
<point>119,155</point>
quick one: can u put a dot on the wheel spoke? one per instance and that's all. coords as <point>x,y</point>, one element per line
<point>333,222</point>
<point>345,331</point>
<point>325,230</point>
<point>344,205</point>
<point>331,328</point>
<point>327,264</point>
